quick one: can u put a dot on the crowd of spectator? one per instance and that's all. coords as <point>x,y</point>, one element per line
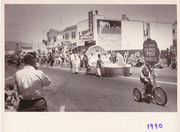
<point>15,59</point>
<point>81,60</point>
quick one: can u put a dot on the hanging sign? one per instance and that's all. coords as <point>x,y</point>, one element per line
<point>90,14</point>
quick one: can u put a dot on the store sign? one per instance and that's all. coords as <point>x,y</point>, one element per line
<point>90,22</point>
<point>85,37</point>
<point>151,52</point>
<point>66,42</point>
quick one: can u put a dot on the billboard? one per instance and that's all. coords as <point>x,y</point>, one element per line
<point>109,34</point>
<point>108,26</point>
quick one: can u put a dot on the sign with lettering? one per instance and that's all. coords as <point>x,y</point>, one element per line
<point>151,52</point>
<point>90,14</point>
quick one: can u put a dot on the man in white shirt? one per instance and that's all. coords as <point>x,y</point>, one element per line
<point>75,63</point>
<point>30,83</point>
<point>120,60</point>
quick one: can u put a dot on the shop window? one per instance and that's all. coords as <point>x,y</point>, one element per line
<point>73,35</point>
<point>174,42</point>
<point>146,31</point>
<point>67,36</point>
<point>173,31</point>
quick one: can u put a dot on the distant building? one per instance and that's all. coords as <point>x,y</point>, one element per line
<point>174,31</point>
<point>173,48</point>
<point>27,47</point>
<point>70,37</point>
<point>13,46</point>
<point>55,39</point>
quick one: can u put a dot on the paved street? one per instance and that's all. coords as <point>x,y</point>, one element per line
<point>87,93</point>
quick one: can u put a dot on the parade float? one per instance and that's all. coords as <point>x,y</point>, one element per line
<point>120,68</point>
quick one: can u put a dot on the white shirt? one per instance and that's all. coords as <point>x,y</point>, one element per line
<point>30,83</point>
<point>59,59</point>
<point>72,57</point>
<point>144,71</point>
<point>120,60</point>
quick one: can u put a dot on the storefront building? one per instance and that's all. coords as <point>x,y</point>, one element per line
<point>55,39</point>
<point>173,48</point>
<point>122,34</point>
<point>70,37</point>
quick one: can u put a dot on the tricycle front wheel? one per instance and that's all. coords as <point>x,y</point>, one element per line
<point>160,96</point>
<point>137,95</point>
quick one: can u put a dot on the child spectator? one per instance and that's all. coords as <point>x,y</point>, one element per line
<point>10,97</point>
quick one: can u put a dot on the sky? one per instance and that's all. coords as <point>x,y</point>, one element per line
<point>30,23</point>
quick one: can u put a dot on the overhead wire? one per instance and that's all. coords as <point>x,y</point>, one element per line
<point>20,24</point>
<point>24,27</point>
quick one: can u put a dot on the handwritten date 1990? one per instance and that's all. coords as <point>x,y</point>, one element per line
<point>154,126</point>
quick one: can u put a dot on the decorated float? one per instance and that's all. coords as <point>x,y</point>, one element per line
<point>120,68</point>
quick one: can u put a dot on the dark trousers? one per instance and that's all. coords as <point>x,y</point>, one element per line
<point>148,85</point>
<point>81,63</point>
<point>168,61</point>
<point>70,64</point>
<point>33,105</point>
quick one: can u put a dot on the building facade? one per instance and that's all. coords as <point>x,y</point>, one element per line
<point>54,39</point>
<point>122,34</point>
<point>12,47</point>
<point>173,47</point>
<point>70,37</point>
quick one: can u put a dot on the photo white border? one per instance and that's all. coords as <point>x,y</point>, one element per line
<point>86,121</point>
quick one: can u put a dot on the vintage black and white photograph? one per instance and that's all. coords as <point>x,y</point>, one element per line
<point>90,57</point>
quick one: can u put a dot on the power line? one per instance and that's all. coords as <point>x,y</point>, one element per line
<point>27,26</point>
<point>23,28</point>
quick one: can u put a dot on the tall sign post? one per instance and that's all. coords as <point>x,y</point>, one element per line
<point>151,52</point>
